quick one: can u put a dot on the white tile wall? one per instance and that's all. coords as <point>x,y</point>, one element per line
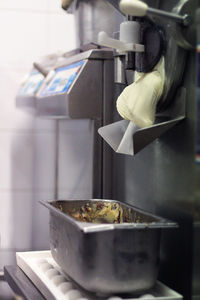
<point>16,219</point>
<point>61,27</point>
<point>54,6</point>
<point>10,117</point>
<point>21,5</point>
<point>23,35</point>
<point>28,160</point>
<point>36,6</point>
<point>16,159</point>
<point>29,29</point>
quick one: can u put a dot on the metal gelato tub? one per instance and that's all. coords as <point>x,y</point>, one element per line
<point>105,254</point>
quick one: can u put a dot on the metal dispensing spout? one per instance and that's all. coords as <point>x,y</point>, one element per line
<point>127,44</point>
<point>124,44</point>
<point>126,47</point>
<point>138,8</point>
<point>138,101</point>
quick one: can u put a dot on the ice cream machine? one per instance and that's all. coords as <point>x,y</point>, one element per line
<point>163,176</point>
<point>141,54</point>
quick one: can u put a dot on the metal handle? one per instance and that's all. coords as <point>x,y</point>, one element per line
<point>66,4</point>
<point>140,9</point>
<point>105,40</point>
<point>41,69</point>
<point>184,20</point>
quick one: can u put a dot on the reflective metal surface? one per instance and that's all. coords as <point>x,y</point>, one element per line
<point>94,16</point>
<point>106,258</point>
<point>126,138</point>
<point>84,97</point>
<point>120,69</point>
<point>90,97</point>
<point>163,177</point>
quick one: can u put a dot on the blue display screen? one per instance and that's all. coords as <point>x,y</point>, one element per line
<point>63,79</point>
<point>32,84</point>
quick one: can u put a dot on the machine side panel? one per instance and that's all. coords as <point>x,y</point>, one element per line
<point>160,179</point>
<point>85,96</point>
<point>108,102</point>
<point>163,177</point>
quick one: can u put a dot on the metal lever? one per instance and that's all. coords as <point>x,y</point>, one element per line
<point>129,38</point>
<point>105,40</point>
<point>138,8</point>
<point>66,4</point>
<point>41,69</point>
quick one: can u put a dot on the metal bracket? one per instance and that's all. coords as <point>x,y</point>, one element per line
<point>126,138</point>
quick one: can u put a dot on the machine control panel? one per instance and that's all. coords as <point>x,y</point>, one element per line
<point>32,84</point>
<point>62,80</point>
<point>25,97</point>
<point>73,90</point>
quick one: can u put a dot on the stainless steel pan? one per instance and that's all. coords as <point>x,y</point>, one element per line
<point>106,258</point>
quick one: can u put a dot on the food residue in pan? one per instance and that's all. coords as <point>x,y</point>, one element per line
<point>99,213</point>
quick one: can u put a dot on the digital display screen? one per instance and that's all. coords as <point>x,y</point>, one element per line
<point>63,79</point>
<point>32,84</point>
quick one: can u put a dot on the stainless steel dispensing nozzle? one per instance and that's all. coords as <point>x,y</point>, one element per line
<point>128,38</point>
<point>138,8</point>
<point>127,44</point>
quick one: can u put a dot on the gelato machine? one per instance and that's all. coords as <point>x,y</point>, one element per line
<point>136,82</point>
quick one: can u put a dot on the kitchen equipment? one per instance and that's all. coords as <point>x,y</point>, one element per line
<point>26,95</point>
<point>106,258</point>
<point>138,102</point>
<point>163,177</point>
<point>140,9</point>
<point>89,20</point>
<point>82,89</point>
<point>53,284</point>
<point>75,90</point>
<point>126,137</point>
